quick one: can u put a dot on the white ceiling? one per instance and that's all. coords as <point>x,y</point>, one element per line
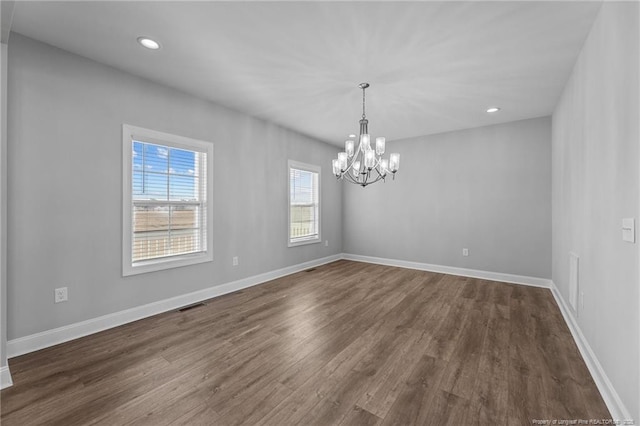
<point>432,66</point>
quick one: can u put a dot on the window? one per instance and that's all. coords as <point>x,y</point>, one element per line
<point>304,203</point>
<point>167,203</point>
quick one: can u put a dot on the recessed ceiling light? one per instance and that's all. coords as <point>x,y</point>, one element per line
<point>149,43</point>
<point>493,109</point>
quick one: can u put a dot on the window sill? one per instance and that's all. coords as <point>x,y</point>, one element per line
<point>302,242</point>
<point>167,263</point>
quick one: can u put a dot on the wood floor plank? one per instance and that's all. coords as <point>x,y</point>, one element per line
<point>386,384</point>
<point>462,369</point>
<point>489,398</point>
<point>337,398</point>
<point>358,416</point>
<point>528,397</point>
<point>451,325</point>
<point>256,406</point>
<point>448,409</point>
<point>199,416</point>
<point>347,343</point>
<point>414,404</point>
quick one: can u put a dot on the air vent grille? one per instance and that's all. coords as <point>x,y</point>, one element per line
<point>189,307</point>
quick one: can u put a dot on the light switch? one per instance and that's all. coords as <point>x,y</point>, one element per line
<point>628,230</point>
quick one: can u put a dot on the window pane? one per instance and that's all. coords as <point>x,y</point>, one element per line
<point>183,217</point>
<point>150,232</point>
<point>137,184</point>
<point>301,186</point>
<point>303,221</point>
<point>185,241</point>
<point>183,188</point>
<point>182,162</point>
<point>150,218</point>
<point>154,187</point>
<point>150,245</point>
<point>165,231</point>
<point>137,156</point>
<point>155,158</point>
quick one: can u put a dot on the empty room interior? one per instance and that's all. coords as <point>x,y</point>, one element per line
<point>327,213</point>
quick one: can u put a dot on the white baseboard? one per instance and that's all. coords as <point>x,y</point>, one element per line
<point>5,377</point>
<point>609,395</point>
<point>34,342</point>
<point>452,270</point>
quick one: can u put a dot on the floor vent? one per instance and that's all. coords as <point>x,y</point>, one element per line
<point>310,270</point>
<point>189,307</point>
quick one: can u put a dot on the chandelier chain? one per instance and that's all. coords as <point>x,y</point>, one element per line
<point>363,114</point>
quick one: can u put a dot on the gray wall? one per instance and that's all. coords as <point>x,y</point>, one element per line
<point>595,185</point>
<point>487,189</point>
<point>65,173</point>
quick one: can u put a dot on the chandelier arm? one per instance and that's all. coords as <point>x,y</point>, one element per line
<point>378,178</point>
<point>350,164</point>
<point>349,175</point>
<point>375,169</point>
<point>366,176</point>
<point>375,165</point>
<point>350,179</point>
<point>380,175</point>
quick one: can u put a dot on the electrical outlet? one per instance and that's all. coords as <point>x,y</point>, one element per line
<point>326,243</point>
<point>465,252</point>
<point>235,260</point>
<point>60,295</point>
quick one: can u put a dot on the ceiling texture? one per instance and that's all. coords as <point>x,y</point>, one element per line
<point>433,66</point>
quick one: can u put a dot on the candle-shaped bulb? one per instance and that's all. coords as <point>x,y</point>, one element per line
<point>365,142</point>
<point>394,162</point>
<point>380,142</point>
<point>336,166</point>
<point>384,166</point>
<point>369,159</point>
<point>356,168</point>
<point>349,148</point>
<point>342,159</point>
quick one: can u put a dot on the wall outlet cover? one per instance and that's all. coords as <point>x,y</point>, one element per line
<point>60,295</point>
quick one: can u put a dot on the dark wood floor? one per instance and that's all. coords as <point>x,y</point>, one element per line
<point>345,344</point>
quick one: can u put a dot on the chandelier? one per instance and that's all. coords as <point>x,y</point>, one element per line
<point>364,165</point>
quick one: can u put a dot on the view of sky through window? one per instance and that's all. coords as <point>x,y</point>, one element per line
<point>163,173</point>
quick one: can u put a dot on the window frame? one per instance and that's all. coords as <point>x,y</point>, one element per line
<point>129,134</point>
<point>297,165</point>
